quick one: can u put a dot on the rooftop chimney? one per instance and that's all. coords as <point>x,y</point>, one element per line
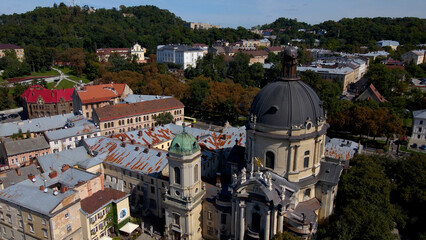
<point>53,174</point>
<point>146,150</point>
<point>140,133</point>
<point>18,171</point>
<point>31,177</point>
<point>159,154</point>
<point>42,188</point>
<point>132,141</point>
<point>136,148</point>
<point>64,189</point>
<point>123,144</point>
<point>65,167</point>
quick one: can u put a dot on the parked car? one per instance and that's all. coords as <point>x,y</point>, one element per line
<point>423,147</point>
<point>413,145</point>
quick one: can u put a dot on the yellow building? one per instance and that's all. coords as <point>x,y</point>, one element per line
<point>7,47</point>
<point>103,211</point>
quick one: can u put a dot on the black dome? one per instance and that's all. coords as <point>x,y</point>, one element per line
<point>283,104</point>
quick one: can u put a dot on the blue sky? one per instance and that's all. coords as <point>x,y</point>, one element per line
<point>248,13</point>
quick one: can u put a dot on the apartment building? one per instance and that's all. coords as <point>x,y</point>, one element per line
<point>39,101</point>
<point>89,97</point>
<point>21,152</point>
<point>135,51</point>
<point>12,47</point>
<point>131,116</point>
<point>100,209</point>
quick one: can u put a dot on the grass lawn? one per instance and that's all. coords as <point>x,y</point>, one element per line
<point>65,84</point>
<point>50,85</point>
<point>82,78</point>
<point>47,73</point>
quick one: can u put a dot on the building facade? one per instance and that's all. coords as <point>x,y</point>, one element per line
<point>38,101</point>
<point>132,116</point>
<point>21,152</point>
<point>20,55</point>
<point>179,54</point>
<point>416,56</point>
<point>135,51</point>
<point>89,97</point>
<point>418,135</point>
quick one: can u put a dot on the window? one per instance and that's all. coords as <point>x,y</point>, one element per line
<point>420,129</point>
<point>124,184</point>
<point>44,233</point>
<point>31,227</point>
<point>153,189</point>
<point>176,219</point>
<point>223,219</point>
<point>21,224</point>
<point>308,192</point>
<point>67,215</point>
<point>196,173</point>
<point>9,218</point>
<point>209,215</point>
<point>270,160</point>
<point>93,219</point>
<point>177,175</point>
<point>306,159</point>
<point>421,121</point>
<point>43,221</point>
<point>30,217</point>
<point>69,227</point>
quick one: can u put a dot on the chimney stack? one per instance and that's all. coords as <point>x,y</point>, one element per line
<point>65,167</point>
<point>53,174</point>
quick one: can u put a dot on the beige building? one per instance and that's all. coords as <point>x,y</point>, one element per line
<point>201,26</point>
<point>41,207</point>
<point>342,75</point>
<point>89,97</point>
<point>135,51</point>
<point>416,56</point>
<point>21,152</point>
<point>99,211</point>
<point>131,116</point>
<point>12,47</point>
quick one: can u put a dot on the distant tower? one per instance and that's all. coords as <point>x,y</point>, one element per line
<point>183,199</point>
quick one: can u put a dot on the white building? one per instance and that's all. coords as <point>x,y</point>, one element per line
<point>419,128</point>
<point>179,54</point>
<point>388,43</point>
<point>416,56</point>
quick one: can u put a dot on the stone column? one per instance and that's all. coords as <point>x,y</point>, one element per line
<point>267,223</point>
<point>280,220</point>
<point>242,218</point>
<point>289,161</point>
<point>274,222</point>
<point>187,224</point>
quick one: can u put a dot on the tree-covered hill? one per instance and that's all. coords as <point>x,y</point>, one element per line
<point>356,31</point>
<point>62,27</point>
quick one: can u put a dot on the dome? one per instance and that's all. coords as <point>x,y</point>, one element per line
<point>285,104</point>
<point>184,144</point>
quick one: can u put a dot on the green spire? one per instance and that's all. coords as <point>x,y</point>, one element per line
<point>184,144</point>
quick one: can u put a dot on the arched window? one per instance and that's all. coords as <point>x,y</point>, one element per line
<point>196,173</point>
<point>270,160</point>
<point>177,175</point>
<point>105,125</point>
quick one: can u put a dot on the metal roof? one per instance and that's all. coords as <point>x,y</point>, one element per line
<point>26,145</point>
<point>12,177</point>
<point>133,98</point>
<point>128,156</point>
<point>419,114</point>
<point>28,194</point>
<point>83,129</point>
<point>35,125</point>
<point>77,156</point>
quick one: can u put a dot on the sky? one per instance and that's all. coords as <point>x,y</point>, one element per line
<point>249,13</point>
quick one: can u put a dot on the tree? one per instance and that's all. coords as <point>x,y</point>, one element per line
<point>163,118</point>
<point>239,69</point>
<point>199,89</point>
<point>284,236</point>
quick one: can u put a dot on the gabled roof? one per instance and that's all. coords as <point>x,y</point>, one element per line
<point>274,48</point>
<point>131,109</point>
<point>25,145</point>
<point>371,93</point>
<point>9,46</point>
<point>101,199</point>
<point>15,176</point>
<point>100,93</point>
<point>32,94</point>
<point>419,114</point>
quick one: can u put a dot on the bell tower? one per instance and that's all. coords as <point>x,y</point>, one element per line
<point>183,199</point>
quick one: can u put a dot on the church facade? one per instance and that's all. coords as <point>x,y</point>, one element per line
<point>284,182</point>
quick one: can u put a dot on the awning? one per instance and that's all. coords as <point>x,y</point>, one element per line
<point>129,227</point>
<point>105,238</point>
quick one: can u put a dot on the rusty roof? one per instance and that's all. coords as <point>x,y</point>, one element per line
<point>131,109</point>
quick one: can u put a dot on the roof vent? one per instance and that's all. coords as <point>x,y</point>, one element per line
<point>132,141</point>
<point>55,192</point>
<point>146,150</point>
<point>123,144</point>
<point>140,133</point>
<point>136,148</point>
<point>159,154</point>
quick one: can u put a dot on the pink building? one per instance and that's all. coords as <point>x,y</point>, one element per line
<point>20,152</point>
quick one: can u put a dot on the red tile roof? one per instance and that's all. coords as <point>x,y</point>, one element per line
<point>257,53</point>
<point>101,93</point>
<point>377,94</point>
<point>131,109</point>
<point>49,96</point>
<point>93,203</point>
<point>9,46</point>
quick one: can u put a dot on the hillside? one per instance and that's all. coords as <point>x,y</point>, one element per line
<point>62,27</point>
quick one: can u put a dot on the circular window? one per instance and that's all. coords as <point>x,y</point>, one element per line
<point>308,126</point>
<point>177,193</point>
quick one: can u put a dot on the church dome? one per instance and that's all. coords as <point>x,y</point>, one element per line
<point>287,102</point>
<point>184,144</point>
